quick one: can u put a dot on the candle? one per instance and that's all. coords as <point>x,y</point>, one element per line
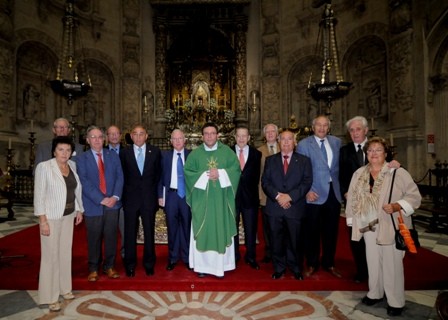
<point>9,143</point>
<point>254,96</point>
<point>391,139</point>
<point>217,100</point>
<point>144,101</point>
<point>32,125</point>
<point>225,104</point>
<point>371,121</point>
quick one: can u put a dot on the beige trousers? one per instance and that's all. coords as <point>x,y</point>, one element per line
<point>386,273</point>
<point>55,276</point>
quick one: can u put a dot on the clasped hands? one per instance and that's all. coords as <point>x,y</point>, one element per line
<point>284,200</point>
<point>213,174</point>
<point>109,202</point>
<point>391,207</point>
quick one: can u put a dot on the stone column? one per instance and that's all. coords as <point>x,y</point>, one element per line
<point>440,107</point>
<point>161,76</point>
<point>240,69</point>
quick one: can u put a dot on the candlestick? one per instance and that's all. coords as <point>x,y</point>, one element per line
<point>225,104</point>
<point>178,100</point>
<point>391,139</point>
<point>371,121</point>
<point>9,143</point>
<point>32,125</point>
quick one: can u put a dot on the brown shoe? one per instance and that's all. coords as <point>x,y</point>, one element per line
<point>309,272</point>
<point>93,276</point>
<point>334,272</point>
<point>111,273</point>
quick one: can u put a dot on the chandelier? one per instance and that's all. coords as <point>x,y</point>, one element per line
<point>332,85</point>
<point>71,75</point>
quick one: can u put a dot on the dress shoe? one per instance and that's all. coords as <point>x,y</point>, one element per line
<point>201,275</point>
<point>334,272</point>
<point>278,275</point>
<point>68,296</point>
<point>130,273</point>
<point>359,278</point>
<point>394,312</point>
<point>298,276</point>
<point>170,266</point>
<point>150,271</point>
<point>309,271</point>
<point>111,273</point>
<point>266,260</point>
<point>253,265</point>
<point>93,276</point>
<point>54,307</point>
<point>370,302</point>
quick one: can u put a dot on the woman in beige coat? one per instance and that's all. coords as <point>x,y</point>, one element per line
<point>58,204</point>
<point>369,211</point>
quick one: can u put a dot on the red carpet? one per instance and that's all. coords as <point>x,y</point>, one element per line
<point>424,271</point>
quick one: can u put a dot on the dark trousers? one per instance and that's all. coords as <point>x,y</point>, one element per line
<point>131,224</point>
<point>359,255</point>
<point>250,223</point>
<point>322,224</point>
<point>287,250</point>
<point>266,233</point>
<point>101,228</point>
<point>178,222</point>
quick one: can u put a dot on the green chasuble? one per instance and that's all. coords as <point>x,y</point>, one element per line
<point>212,209</point>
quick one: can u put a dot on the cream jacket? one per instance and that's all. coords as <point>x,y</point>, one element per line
<point>50,191</point>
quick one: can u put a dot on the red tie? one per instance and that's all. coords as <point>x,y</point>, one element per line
<point>285,164</point>
<point>241,157</point>
<point>101,173</point>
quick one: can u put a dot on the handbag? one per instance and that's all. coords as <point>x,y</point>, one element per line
<point>400,242</point>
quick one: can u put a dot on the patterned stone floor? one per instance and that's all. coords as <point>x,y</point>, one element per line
<point>212,305</point>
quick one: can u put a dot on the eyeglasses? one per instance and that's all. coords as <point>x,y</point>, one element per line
<point>375,150</point>
<point>60,127</point>
<point>96,137</point>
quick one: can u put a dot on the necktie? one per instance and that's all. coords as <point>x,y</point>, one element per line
<point>271,150</point>
<point>140,160</point>
<point>241,157</point>
<point>180,176</point>
<point>285,164</point>
<point>360,155</point>
<point>324,151</point>
<point>116,150</point>
<point>101,173</point>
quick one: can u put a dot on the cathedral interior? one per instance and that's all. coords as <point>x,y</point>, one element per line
<point>179,63</point>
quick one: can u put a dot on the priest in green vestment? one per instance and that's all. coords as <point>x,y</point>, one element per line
<point>212,173</point>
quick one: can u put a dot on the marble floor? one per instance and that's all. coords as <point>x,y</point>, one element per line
<point>213,305</point>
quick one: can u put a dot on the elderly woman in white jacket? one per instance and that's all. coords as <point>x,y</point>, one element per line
<point>369,211</point>
<point>58,204</point>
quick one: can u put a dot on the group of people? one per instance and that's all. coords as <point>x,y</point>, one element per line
<point>204,192</point>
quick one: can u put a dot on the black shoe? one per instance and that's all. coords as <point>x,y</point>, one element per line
<point>359,278</point>
<point>201,275</point>
<point>266,260</point>
<point>370,302</point>
<point>394,312</point>
<point>150,271</point>
<point>130,273</point>
<point>170,266</point>
<point>253,265</point>
<point>278,275</point>
<point>298,276</point>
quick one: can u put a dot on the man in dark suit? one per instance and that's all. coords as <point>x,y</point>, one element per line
<point>352,157</point>
<point>141,165</point>
<point>101,177</point>
<point>286,179</point>
<point>61,127</point>
<point>247,198</point>
<point>172,194</point>
<point>113,134</point>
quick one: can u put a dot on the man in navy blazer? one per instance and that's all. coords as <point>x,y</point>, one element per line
<point>324,198</point>
<point>247,197</point>
<point>177,211</point>
<point>141,163</point>
<point>101,208</point>
<point>286,179</point>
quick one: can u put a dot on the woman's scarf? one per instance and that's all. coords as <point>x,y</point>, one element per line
<point>365,203</point>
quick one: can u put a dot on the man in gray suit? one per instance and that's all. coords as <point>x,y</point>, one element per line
<point>61,127</point>
<point>324,199</point>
